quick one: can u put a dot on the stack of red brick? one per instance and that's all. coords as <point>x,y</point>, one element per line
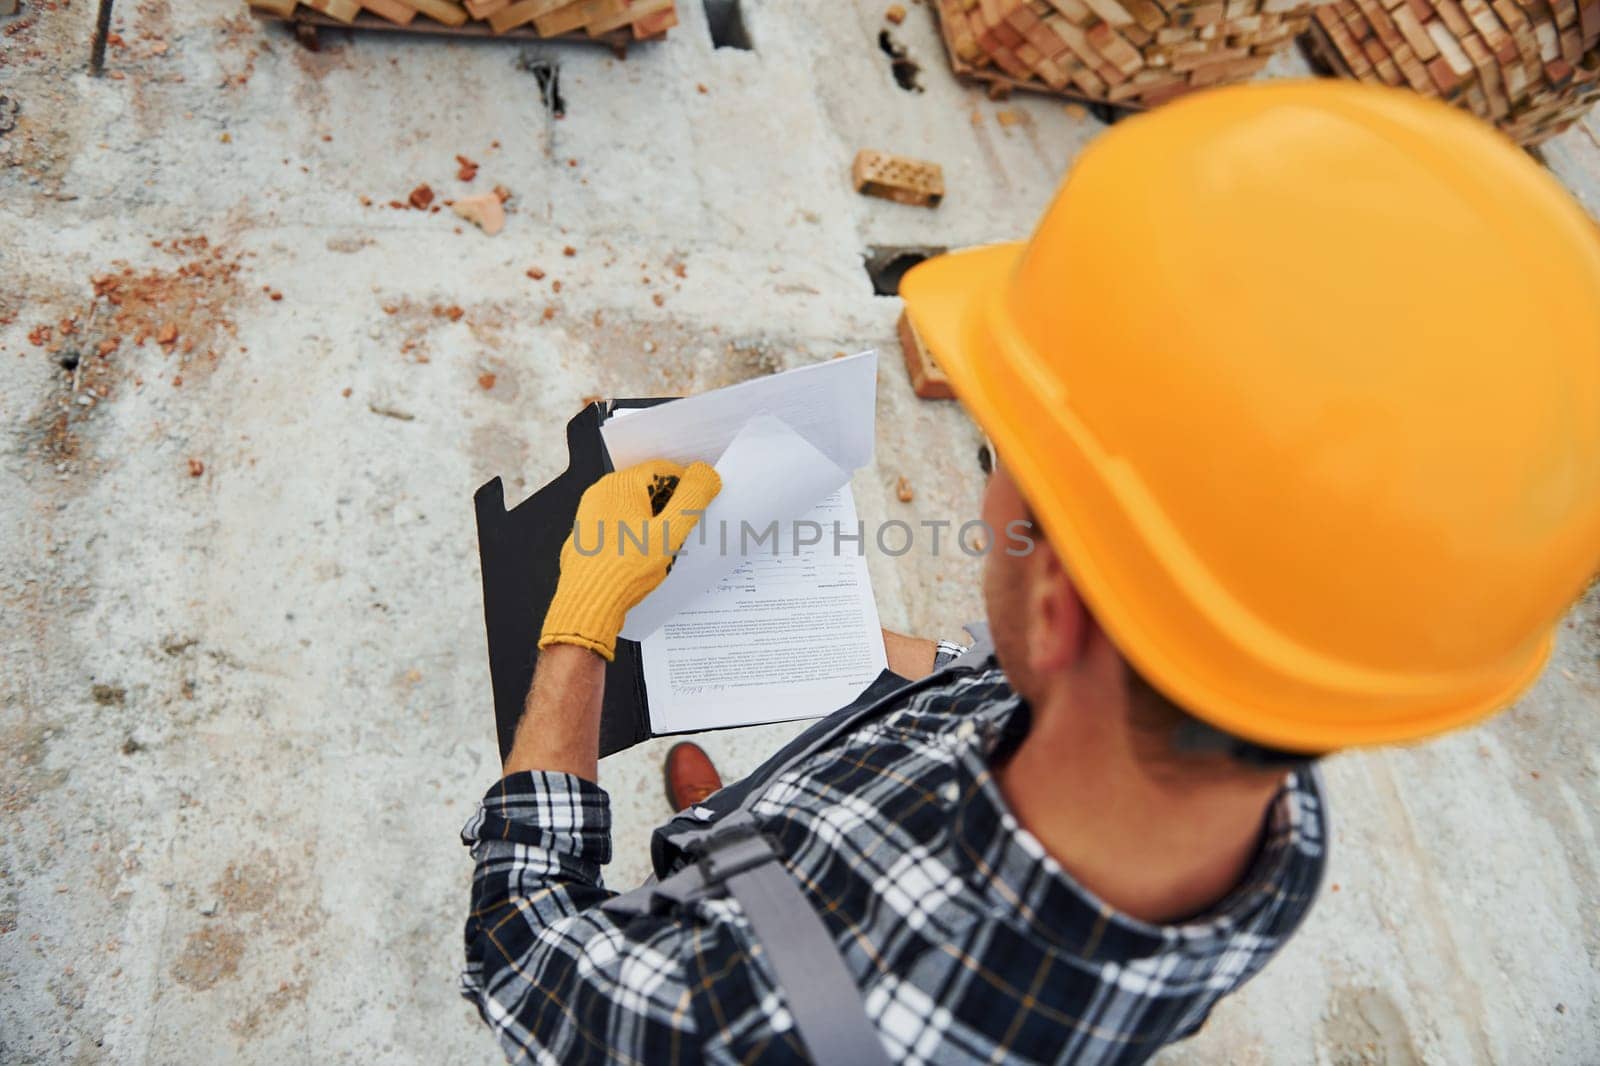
<point>1138,52</point>
<point>640,19</point>
<point>1529,66</point>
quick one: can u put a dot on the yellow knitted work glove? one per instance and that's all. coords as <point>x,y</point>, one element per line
<point>599,584</point>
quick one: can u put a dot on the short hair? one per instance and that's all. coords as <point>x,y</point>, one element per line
<point>1151,711</point>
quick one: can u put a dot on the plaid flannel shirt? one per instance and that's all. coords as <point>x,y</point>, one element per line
<point>968,942</point>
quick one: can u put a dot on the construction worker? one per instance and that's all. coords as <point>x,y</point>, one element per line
<point>1301,384</point>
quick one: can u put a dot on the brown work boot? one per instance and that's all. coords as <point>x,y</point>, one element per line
<point>689,775</point>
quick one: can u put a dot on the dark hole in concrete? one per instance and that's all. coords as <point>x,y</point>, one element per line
<point>306,34</point>
<point>985,459</point>
<point>1107,113</point>
<point>547,72</point>
<point>726,19</point>
<point>887,265</point>
<point>69,360</point>
<point>901,65</point>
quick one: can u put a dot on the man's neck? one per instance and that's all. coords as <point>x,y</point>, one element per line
<point>1154,841</point>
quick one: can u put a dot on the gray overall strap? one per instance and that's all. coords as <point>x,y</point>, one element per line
<point>732,853</point>
<point>979,650</point>
<point>829,1014</point>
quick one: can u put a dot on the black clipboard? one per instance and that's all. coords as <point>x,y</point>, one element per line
<point>520,554</point>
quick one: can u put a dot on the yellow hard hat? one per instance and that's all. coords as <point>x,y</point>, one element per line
<point>1302,381</point>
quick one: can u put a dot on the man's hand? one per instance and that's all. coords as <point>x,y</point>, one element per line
<point>603,574</point>
<point>629,526</point>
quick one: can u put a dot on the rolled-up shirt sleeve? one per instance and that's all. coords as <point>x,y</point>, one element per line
<point>539,840</point>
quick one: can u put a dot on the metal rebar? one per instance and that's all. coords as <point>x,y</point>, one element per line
<point>102,30</point>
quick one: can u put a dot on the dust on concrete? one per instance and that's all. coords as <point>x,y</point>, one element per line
<point>176,645</point>
<point>659,351</point>
<point>260,889</point>
<point>24,748</point>
<point>180,312</point>
<point>633,355</point>
<point>246,890</point>
<point>330,54</point>
<point>287,994</point>
<point>36,35</point>
<point>254,905</point>
<point>40,144</point>
<point>1554,759</point>
<point>409,324</point>
<point>605,353</point>
<point>211,954</point>
<point>348,245</point>
<point>238,43</point>
<point>1364,1027</point>
<point>144,34</point>
<point>138,51</point>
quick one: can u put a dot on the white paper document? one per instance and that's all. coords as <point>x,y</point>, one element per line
<point>780,443</point>
<point>771,476</point>
<point>830,404</point>
<point>781,636</point>
<point>767,614</point>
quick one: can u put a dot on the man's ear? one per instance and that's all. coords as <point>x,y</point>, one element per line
<point>1058,623</point>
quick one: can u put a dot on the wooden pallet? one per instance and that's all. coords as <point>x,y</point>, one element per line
<point>617,42</point>
<point>614,23</point>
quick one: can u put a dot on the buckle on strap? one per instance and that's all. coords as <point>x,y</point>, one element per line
<point>735,845</point>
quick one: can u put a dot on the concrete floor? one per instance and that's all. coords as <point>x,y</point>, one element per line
<point>245,705</point>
